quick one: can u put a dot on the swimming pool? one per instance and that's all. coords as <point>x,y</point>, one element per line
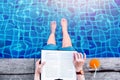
<point>94,26</point>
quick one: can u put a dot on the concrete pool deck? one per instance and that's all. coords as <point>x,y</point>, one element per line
<point>23,69</point>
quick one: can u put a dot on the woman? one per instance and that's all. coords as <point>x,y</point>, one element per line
<point>78,59</point>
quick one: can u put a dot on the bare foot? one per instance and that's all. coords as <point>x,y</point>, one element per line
<point>53,26</point>
<point>64,24</point>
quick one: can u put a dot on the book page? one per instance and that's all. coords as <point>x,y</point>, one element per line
<point>50,70</point>
<point>66,66</point>
<point>59,65</point>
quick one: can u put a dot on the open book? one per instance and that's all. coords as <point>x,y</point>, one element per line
<point>59,65</point>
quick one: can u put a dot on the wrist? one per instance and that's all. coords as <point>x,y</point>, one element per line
<point>81,72</point>
<point>36,72</point>
<point>77,70</point>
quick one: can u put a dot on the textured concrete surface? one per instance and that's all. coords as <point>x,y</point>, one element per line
<point>16,66</point>
<point>17,77</point>
<point>103,76</point>
<point>23,69</point>
<point>17,69</point>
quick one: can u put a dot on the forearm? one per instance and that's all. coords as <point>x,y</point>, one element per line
<point>36,76</point>
<point>80,77</point>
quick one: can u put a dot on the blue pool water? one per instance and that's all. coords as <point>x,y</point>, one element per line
<point>94,26</point>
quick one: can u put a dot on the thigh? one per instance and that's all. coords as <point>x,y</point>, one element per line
<point>50,47</point>
<point>70,48</point>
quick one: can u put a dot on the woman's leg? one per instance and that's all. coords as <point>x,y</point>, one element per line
<point>51,43</point>
<point>51,39</point>
<point>66,42</point>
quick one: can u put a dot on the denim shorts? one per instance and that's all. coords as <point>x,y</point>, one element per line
<point>55,47</point>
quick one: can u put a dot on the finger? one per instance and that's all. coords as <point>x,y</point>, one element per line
<point>39,61</point>
<point>76,56</point>
<point>81,56</point>
<point>42,64</point>
<point>84,56</point>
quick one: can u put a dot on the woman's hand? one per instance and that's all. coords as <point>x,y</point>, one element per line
<point>38,69</point>
<point>39,66</point>
<point>79,61</point>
